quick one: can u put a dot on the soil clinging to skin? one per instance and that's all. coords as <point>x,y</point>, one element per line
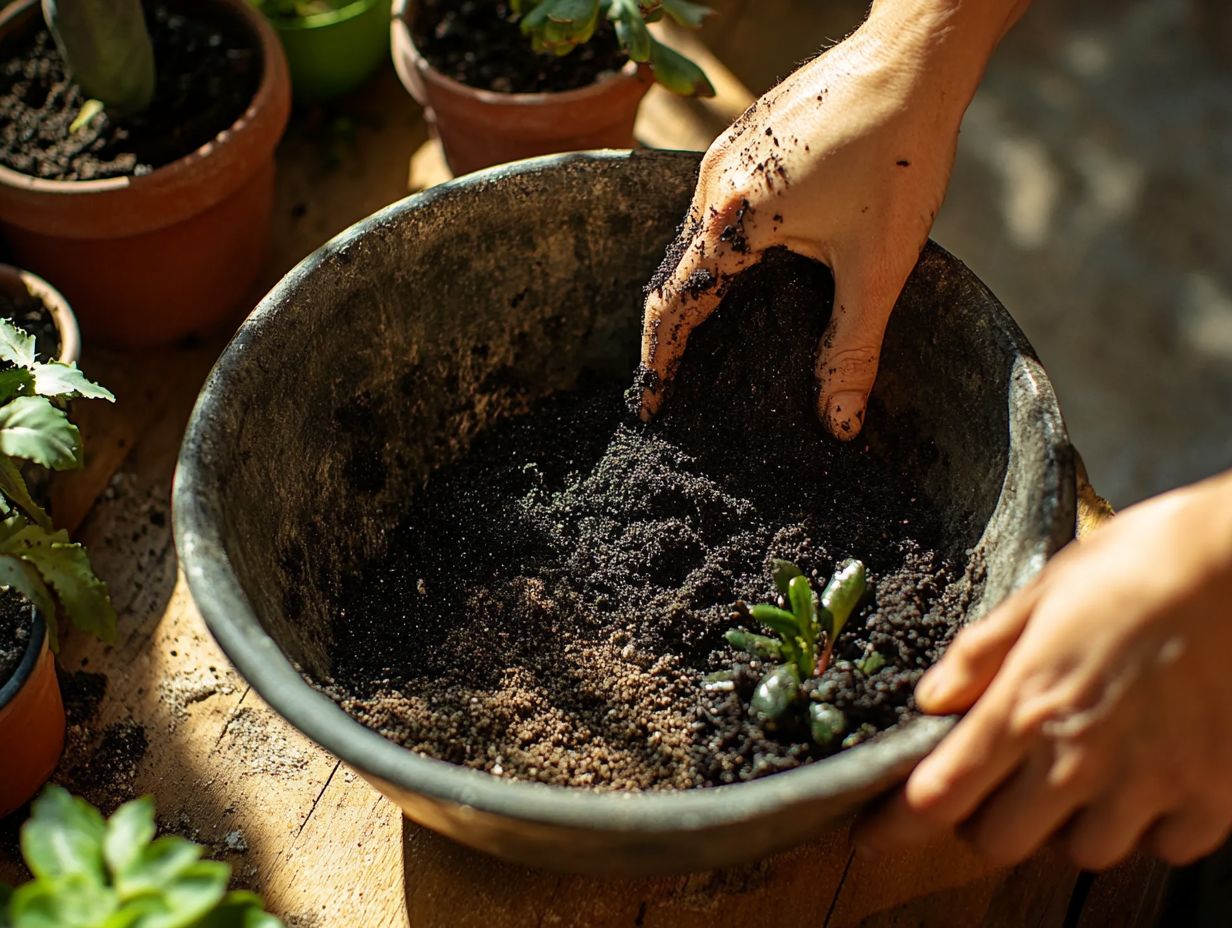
<point>208,73</point>
<point>479,43</point>
<point>552,601</point>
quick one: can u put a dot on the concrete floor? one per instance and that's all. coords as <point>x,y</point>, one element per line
<point>1093,194</point>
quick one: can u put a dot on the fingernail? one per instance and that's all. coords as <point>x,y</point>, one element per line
<point>845,414</point>
<point>932,688</point>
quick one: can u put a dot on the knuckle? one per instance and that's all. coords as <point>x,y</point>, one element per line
<point>846,365</point>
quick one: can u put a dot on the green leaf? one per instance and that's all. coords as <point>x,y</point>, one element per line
<point>870,663</point>
<point>88,111</point>
<point>16,574</point>
<point>631,29</point>
<point>107,50</point>
<point>63,837</point>
<point>16,345</point>
<point>805,611</point>
<point>13,486</point>
<point>189,896</point>
<point>159,863</point>
<point>129,831</point>
<point>65,567</point>
<point>240,909</point>
<point>780,620</point>
<point>757,645</point>
<point>777,690</point>
<point>689,15</point>
<point>65,381</point>
<point>33,429</point>
<point>5,895</point>
<point>842,594</point>
<point>677,73</point>
<point>826,723</point>
<point>558,26</point>
<point>15,381</point>
<point>784,572</point>
<point>71,901</point>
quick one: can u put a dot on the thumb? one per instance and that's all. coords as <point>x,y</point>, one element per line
<point>851,345</point>
<point>975,657</point>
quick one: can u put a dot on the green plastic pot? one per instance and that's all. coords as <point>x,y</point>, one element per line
<point>332,53</point>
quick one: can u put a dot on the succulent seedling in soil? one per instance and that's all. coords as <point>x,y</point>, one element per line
<point>92,872</point>
<point>806,627</point>
<point>36,559</point>
<point>107,50</point>
<point>556,27</point>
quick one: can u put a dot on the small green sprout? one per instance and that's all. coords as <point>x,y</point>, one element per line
<point>805,643</point>
<point>91,872</point>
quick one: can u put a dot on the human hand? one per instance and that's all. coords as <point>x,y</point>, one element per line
<point>1099,698</point>
<point>845,162</point>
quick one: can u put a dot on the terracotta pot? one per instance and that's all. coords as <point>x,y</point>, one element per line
<point>147,260</point>
<point>480,128</point>
<point>31,723</point>
<point>16,283</point>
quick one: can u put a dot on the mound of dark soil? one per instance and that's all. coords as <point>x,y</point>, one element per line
<point>551,602</point>
<point>16,627</point>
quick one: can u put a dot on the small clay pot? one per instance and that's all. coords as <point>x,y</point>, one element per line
<point>31,722</point>
<point>332,53</point>
<point>147,260</point>
<point>16,282</point>
<point>481,128</point>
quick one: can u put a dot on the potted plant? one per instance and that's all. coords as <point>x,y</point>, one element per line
<point>516,593</point>
<point>44,576</point>
<point>509,79</point>
<point>34,305</point>
<point>145,193</point>
<point>332,46</point>
<point>91,872</point>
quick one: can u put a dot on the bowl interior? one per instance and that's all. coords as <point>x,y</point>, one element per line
<point>387,352</point>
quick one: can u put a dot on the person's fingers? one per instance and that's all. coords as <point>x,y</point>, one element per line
<point>1057,779</point>
<point>851,345</point>
<point>1107,830</point>
<point>1184,836</point>
<point>973,659</point>
<point>686,297</point>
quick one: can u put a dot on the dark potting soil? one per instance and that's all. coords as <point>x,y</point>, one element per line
<point>28,312</point>
<point>16,626</point>
<point>208,71</point>
<point>551,601</point>
<point>479,43</point>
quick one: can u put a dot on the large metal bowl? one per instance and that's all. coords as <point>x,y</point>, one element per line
<point>280,493</point>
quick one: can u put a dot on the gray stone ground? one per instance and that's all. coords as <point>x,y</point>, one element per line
<point>1093,193</point>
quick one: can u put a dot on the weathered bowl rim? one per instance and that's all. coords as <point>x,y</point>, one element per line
<point>221,601</point>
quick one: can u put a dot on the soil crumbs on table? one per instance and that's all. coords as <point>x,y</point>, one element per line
<point>551,601</point>
<point>479,43</point>
<point>208,72</point>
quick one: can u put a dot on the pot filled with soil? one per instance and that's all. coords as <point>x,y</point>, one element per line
<point>332,46</point>
<point>35,306</point>
<point>31,711</point>
<point>153,223</point>
<point>493,97</point>
<point>414,508</point>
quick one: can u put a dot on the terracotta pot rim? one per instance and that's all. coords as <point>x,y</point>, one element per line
<point>25,668</point>
<point>57,305</point>
<point>327,18</point>
<point>181,169</point>
<point>404,44</point>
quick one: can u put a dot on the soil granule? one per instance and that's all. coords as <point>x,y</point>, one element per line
<point>552,601</point>
<point>208,72</point>
<point>30,314</point>
<point>479,43</point>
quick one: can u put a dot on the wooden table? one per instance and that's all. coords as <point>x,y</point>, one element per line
<point>322,846</point>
